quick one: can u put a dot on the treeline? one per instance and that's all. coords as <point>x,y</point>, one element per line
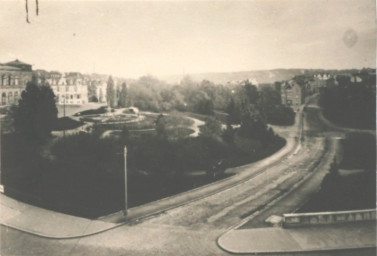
<point>349,104</point>
<point>266,102</point>
<point>151,94</point>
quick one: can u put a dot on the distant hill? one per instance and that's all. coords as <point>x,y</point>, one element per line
<point>261,76</point>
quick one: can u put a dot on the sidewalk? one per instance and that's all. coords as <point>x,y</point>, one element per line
<point>304,239</point>
<point>45,223</point>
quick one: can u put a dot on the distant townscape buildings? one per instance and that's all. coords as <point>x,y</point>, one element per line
<point>70,88</point>
<point>97,90</point>
<point>294,91</point>
<point>14,76</point>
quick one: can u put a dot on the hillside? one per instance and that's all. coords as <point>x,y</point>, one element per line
<point>262,76</point>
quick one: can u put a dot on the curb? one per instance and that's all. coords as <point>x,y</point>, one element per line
<point>267,206</point>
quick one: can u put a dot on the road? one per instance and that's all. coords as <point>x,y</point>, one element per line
<point>192,229</point>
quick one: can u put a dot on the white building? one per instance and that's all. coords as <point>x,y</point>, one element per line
<point>69,88</point>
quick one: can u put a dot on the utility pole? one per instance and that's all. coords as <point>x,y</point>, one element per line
<point>65,95</point>
<point>125,182</point>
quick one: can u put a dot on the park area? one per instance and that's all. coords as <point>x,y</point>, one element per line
<point>82,172</point>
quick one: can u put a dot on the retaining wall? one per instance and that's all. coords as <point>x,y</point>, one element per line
<point>324,218</point>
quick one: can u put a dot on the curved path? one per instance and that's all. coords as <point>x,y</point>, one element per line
<point>195,126</point>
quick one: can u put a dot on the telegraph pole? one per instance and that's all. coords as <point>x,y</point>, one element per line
<point>65,95</point>
<point>125,182</point>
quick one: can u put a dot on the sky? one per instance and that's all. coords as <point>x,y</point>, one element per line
<point>134,38</point>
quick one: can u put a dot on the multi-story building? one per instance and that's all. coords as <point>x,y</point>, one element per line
<point>14,76</point>
<point>98,90</point>
<point>321,80</point>
<point>292,93</point>
<point>69,88</point>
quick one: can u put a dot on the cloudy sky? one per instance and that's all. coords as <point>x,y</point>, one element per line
<point>159,38</point>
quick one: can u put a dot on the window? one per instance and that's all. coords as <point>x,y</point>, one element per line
<point>3,99</point>
<point>3,80</point>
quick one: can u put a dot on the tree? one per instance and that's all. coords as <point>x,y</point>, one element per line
<point>359,151</point>
<point>252,92</point>
<point>110,92</point>
<point>161,126</point>
<point>272,109</point>
<point>122,99</point>
<point>100,95</point>
<point>204,106</point>
<point>35,116</point>
<point>234,113</point>
<point>254,127</point>
<point>211,128</point>
<point>228,134</point>
<point>92,92</point>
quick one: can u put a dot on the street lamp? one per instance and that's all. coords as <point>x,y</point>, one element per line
<point>125,182</point>
<point>65,95</point>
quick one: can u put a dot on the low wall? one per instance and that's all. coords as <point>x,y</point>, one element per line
<point>323,218</point>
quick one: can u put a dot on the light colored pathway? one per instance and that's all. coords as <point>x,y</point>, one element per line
<point>195,126</point>
<point>46,223</point>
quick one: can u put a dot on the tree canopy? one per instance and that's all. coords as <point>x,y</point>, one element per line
<point>35,116</point>
<point>122,98</point>
<point>110,93</point>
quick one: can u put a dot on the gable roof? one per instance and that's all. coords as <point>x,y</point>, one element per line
<point>16,63</point>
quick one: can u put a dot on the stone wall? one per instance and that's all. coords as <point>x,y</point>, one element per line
<point>325,218</point>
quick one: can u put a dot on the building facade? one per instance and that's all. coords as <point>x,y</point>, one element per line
<point>98,91</point>
<point>69,88</point>
<point>292,94</point>
<point>14,76</point>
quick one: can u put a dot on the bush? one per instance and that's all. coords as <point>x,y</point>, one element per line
<point>359,151</point>
<point>350,105</point>
<point>281,115</point>
<point>100,110</point>
<point>66,123</point>
<point>87,173</point>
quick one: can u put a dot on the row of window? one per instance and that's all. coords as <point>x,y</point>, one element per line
<point>67,88</point>
<point>10,98</point>
<point>69,96</point>
<point>10,80</point>
<point>67,82</point>
<point>9,94</point>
